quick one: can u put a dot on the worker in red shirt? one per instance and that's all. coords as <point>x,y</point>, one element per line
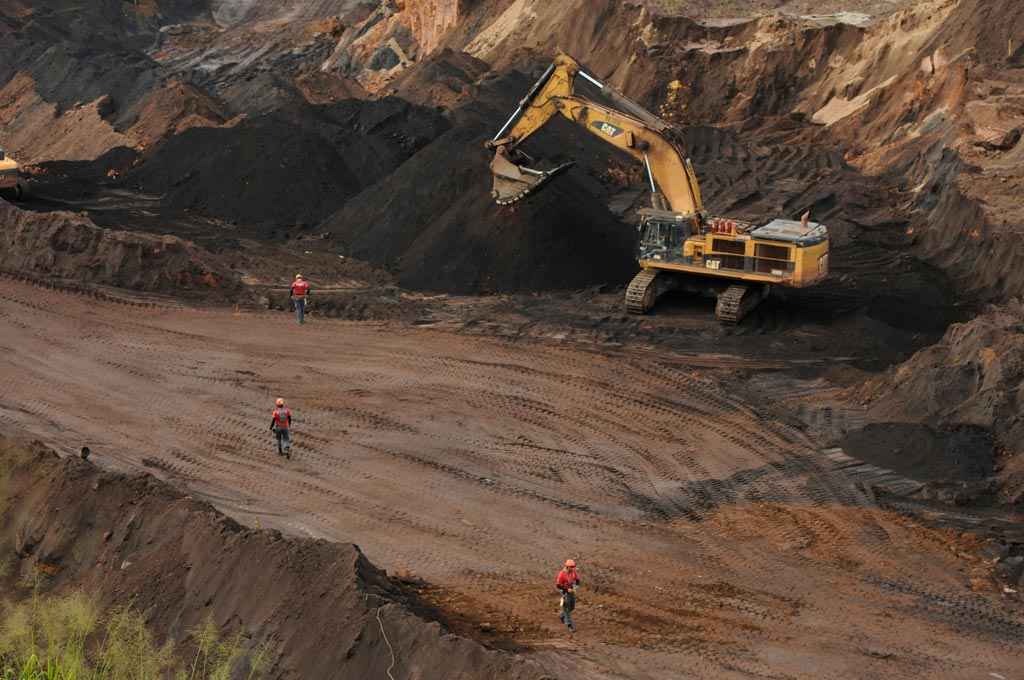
<point>298,293</point>
<point>566,583</point>
<point>281,426</point>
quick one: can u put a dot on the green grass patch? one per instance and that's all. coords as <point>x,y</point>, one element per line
<point>68,638</point>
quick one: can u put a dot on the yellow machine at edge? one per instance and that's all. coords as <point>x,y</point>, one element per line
<point>10,177</point>
<point>681,246</point>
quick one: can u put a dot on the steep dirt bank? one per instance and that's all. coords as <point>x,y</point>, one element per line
<point>973,377</point>
<point>931,98</point>
<point>84,65</point>
<point>67,246</point>
<point>322,608</point>
<point>434,222</point>
<point>285,170</point>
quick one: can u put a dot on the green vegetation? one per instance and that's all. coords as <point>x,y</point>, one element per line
<point>67,638</point>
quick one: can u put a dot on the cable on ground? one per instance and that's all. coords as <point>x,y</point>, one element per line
<point>393,660</point>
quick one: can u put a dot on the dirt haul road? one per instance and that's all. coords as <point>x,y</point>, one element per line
<point>714,542</point>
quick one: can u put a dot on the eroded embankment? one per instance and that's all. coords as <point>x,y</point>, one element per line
<point>66,246</point>
<point>321,607</point>
<point>972,378</point>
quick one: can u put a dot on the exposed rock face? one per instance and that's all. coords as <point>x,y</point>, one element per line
<point>430,20</point>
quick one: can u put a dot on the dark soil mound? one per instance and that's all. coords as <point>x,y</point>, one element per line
<point>973,377</point>
<point>434,222</point>
<point>289,168</point>
<point>322,608</point>
<point>78,52</point>
<point>923,453</point>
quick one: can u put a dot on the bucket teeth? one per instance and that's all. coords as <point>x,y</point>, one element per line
<point>514,182</point>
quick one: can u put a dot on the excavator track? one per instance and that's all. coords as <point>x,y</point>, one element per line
<point>642,292</point>
<point>737,301</point>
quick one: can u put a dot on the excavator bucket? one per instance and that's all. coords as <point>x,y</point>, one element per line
<point>513,182</point>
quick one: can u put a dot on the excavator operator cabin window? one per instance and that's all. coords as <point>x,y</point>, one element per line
<point>657,235</point>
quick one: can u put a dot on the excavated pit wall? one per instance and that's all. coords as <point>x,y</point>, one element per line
<point>972,378</point>
<point>69,247</point>
<point>749,75</point>
<point>323,609</point>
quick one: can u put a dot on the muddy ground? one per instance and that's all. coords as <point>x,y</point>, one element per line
<point>418,444</point>
<point>69,524</point>
<point>466,364</point>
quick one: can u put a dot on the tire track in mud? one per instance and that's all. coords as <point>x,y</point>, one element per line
<point>473,462</point>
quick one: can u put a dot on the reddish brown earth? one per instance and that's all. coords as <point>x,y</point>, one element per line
<point>712,536</point>
<point>210,150</point>
<point>68,524</point>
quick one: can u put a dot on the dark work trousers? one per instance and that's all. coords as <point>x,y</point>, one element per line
<point>284,442</point>
<point>568,604</point>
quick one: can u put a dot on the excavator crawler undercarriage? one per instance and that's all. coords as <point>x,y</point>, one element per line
<point>736,301</point>
<point>642,292</point>
<point>681,246</point>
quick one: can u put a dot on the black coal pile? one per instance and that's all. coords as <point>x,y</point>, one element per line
<point>287,169</point>
<point>434,223</point>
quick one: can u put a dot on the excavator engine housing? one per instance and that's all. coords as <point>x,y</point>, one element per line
<point>781,252</point>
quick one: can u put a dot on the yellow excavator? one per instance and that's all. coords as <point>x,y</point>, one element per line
<point>10,177</point>
<point>681,246</point>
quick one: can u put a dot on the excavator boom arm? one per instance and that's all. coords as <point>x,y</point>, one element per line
<point>667,172</point>
<point>632,129</point>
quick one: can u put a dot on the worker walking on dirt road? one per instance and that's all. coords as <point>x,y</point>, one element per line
<point>298,293</point>
<point>566,583</point>
<point>281,426</point>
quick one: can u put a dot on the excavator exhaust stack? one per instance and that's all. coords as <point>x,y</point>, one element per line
<point>514,182</point>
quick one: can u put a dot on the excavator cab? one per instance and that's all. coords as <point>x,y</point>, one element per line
<point>662,234</point>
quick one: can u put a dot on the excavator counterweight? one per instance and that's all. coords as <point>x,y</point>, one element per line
<point>681,246</point>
